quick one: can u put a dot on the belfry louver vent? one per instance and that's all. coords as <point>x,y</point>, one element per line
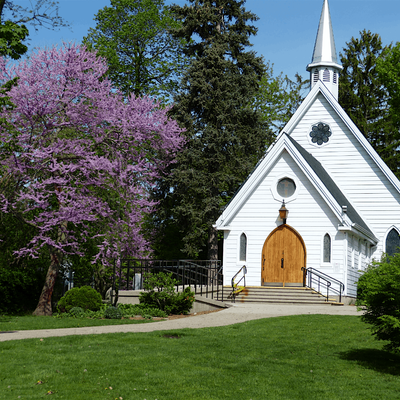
<point>316,75</point>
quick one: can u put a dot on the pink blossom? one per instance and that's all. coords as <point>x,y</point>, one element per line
<point>79,153</point>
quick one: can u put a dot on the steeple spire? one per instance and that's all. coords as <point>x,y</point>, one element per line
<point>324,65</point>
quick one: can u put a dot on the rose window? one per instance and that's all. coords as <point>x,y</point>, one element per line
<point>320,133</point>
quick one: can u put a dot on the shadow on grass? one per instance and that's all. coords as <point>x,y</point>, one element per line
<point>378,360</point>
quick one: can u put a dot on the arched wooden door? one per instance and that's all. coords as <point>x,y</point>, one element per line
<point>283,257</point>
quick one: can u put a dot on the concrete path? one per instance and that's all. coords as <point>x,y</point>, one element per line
<point>239,312</point>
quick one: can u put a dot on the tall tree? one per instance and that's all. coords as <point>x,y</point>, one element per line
<point>364,96</point>
<point>215,106</point>
<point>135,38</point>
<point>388,68</point>
<point>82,158</point>
<point>13,20</point>
<point>277,99</point>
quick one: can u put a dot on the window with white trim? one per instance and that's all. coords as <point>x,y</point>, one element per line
<point>243,247</point>
<point>327,249</point>
<point>392,242</point>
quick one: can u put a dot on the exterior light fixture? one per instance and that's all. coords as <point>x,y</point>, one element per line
<point>283,212</point>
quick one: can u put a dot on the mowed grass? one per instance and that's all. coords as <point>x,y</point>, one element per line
<point>295,357</point>
<point>31,322</point>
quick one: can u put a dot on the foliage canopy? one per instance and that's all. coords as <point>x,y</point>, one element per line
<point>379,292</point>
<point>215,105</point>
<point>135,37</point>
<point>81,155</point>
<point>365,97</point>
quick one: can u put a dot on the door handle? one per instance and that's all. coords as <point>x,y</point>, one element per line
<point>281,262</point>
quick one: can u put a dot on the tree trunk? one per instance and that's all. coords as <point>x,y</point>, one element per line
<point>213,244</point>
<point>44,304</point>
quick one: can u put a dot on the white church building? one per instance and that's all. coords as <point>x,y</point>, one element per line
<point>343,201</point>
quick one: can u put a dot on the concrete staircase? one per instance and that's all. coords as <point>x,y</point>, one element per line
<point>282,295</point>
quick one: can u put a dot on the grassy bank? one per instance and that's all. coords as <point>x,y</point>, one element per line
<point>296,357</point>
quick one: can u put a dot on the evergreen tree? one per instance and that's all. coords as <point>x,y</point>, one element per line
<point>364,96</point>
<point>225,132</point>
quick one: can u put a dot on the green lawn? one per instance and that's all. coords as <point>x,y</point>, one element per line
<point>27,322</point>
<point>297,357</point>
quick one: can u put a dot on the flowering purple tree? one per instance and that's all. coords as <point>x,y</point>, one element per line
<point>81,157</point>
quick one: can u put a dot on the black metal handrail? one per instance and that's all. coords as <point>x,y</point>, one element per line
<point>319,281</point>
<point>235,285</point>
<point>203,276</point>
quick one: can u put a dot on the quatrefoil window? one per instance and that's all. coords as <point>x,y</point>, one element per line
<point>320,133</point>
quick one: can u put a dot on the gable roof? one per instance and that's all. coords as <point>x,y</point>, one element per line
<point>331,185</point>
<point>320,88</point>
<point>316,174</point>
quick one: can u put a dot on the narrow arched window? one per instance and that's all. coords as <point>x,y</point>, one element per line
<point>316,75</point>
<point>243,247</point>
<point>327,249</point>
<point>326,76</point>
<point>392,242</point>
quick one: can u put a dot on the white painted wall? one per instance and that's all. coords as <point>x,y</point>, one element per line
<point>356,174</point>
<point>259,216</point>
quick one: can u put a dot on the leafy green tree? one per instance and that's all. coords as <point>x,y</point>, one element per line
<point>388,68</point>
<point>225,132</point>
<point>21,280</point>
<point>277,99</point>
<point>135,38</point>
<point>365,98</point>
<point>378,292</point>
<point>13,20</point>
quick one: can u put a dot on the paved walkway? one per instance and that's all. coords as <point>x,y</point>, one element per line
<point>239,312</point>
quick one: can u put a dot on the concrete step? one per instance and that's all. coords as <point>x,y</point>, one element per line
<point>294,295</point>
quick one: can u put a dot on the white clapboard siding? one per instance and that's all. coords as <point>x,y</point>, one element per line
<point>258,217</point>
<point>356,173</point>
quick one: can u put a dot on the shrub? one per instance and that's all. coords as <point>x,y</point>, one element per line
<point>379,293</point>
<point>112,313</point>
<point>160,293</point>
<point>76,312</point>
<point>84,297</point>
<point>131,310</point>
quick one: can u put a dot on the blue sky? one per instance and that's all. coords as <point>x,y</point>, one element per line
<point>286,28</point>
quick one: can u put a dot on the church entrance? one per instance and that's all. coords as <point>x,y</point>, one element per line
<point>283,257</point>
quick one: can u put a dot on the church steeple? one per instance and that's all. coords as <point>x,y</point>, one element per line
<point>324,65</point>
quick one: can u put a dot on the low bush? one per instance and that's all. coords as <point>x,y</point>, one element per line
<point>76,312</point>
<point>160,293</point>
<point>132,310</point>
<point>378,292</point>
<point>84,297</point>
<point>107,311</point>
<point>112,313</point>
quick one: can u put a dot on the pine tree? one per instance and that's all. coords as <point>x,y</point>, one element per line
<point>226,136</point>
<point>364,97</point>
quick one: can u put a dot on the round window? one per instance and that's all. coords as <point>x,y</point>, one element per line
<point>286,187</point>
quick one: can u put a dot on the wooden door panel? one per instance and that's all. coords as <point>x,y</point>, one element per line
<point>284,243</point>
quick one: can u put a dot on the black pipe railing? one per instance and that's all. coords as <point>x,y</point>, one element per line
<point>321,282</point>
<point>203,276</point>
